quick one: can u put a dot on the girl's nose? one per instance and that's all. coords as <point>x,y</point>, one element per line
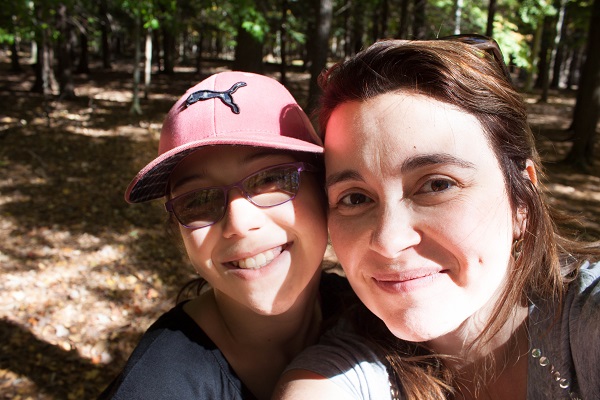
<point>241,216</point>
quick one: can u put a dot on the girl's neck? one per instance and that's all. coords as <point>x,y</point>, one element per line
<point>258,347</point>
<point>297,326</point>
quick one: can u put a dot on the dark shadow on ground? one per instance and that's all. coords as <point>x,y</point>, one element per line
<point>56,372</point>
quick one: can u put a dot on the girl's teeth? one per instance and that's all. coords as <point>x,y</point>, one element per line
<point>261,259</point>
<point>258,260</point>
<point>250,263</point>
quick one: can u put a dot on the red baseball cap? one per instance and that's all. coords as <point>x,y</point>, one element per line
<point>228,108</point>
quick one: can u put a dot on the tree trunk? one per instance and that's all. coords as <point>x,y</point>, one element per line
<point>374,16</point>
<point>556,58</point>
<point>283,41</point>
<point>419,28</point>
<point>41,67</point>
<point>84,59</point>
<point>312,17</point>
<point>104,30</point>
<point>65,63</point>
<point>156,51</point>
<point>135,101</point>
<point>587,107</point>
<point>535,53</point>
<point>148,63</point>
<point>45,81</point>
<point>347,45</point>
<point>385,15</point>
<point>489,30</point>
<point>248,53</point>
<point>320,52</point>
<point>458,16</point>
<point>15,65</point>
<point>574,67</point>
<point>403,25</point>
<point>358,26</point>
<point>543,81</point>
<point>199,48</point>
<point>168,51</point>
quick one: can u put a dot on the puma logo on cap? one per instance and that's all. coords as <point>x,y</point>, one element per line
<point>226,97</point>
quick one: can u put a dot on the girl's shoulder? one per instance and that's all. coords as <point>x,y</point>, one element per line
<point>176,358</point>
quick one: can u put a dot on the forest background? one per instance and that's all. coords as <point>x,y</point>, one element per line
<point>84,86</point>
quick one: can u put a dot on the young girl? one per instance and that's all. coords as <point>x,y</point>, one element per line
<point>438,217</point>
<point>239,165</point>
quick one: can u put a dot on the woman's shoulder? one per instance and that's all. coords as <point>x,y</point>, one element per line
<point>347,361</point>
<point>588,279</point>
<point>582,306</point>
<point>568,343</point>
<point>582,303</point>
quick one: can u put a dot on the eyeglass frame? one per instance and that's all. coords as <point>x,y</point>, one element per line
<point>299,165</point>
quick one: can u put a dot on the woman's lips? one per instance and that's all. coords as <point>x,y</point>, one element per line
<point>258,260</point>
<point>407,281</point>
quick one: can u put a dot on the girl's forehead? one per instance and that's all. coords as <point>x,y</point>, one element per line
<point>225,163</point>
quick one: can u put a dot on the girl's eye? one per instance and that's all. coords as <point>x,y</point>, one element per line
<point>354,199</point>
<point>437,185</point>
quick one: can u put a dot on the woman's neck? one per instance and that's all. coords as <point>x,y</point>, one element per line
<point>493,368</point>
<point>460,342</point>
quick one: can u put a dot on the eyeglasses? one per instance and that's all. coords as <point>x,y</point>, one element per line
<point>268,187</point>
<point>486,44</point>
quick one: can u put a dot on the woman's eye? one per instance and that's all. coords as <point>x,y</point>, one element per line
<point>354,199</point>
<point>437,185</point>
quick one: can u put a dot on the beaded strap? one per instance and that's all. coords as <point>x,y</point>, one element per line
<point>562,382</point>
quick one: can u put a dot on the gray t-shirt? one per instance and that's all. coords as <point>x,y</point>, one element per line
<point>564,356</point>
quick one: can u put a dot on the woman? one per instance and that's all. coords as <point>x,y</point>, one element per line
<point>437,215</point>
<point>239,166</point>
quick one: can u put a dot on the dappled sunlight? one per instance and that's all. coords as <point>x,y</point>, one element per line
<point>119,96</point>
<point>83,272</point>
<point>72,289</point>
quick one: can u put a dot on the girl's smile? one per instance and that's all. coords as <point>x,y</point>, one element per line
<point>259,260</point>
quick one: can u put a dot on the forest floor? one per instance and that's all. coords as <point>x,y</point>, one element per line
<point>82,273</point>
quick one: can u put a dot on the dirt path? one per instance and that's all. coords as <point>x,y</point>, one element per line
<point>83,273</point>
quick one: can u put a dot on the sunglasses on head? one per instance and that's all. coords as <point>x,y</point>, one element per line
<point>268,187</point>
<point>485,43</point>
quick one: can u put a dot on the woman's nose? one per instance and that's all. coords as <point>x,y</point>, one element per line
<point>394,230</point>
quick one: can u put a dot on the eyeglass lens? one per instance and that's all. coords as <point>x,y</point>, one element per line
<point>266,188</point>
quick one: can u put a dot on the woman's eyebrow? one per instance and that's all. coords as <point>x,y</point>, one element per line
<point>344,175</point>
<point>409,164</point>
<point>424,160</point>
